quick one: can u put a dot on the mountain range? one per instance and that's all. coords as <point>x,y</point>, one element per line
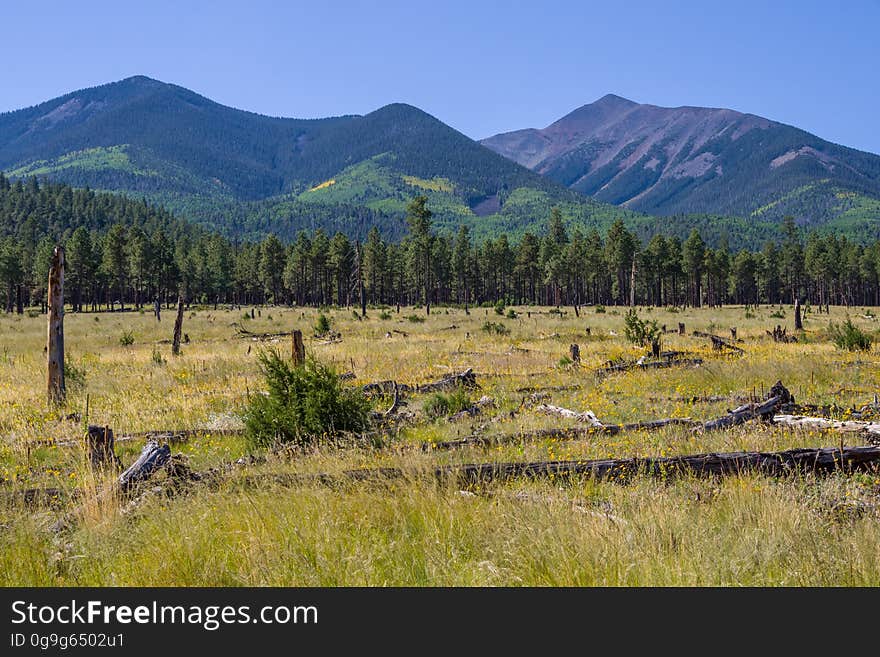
<point>668,161</point>
<point>247,174</point>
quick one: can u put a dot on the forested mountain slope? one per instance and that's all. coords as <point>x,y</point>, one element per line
<point>236,170</point>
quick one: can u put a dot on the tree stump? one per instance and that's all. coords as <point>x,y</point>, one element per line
<point>55,344</point>
<point>681,328</point>
<point>178,326</point>
<point>575,354</point>
<point>798,323</point>
<point>101,447</point>
<point>733,332</point>
<point>655,348</point>
<point>297,348</point>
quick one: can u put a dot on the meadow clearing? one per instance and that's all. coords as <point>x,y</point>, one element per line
<point>253,529</point>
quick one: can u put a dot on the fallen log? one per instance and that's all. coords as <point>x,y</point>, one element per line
<point>558,433</point>
<point>764,410</point>
<point>152,457</point>
<point>162,435</point>
<point>870,429</point>
<point>805,460</point>
<point>466,379</point>
<point>242,332</point>
<point>646,365</point>
<point>587,417</point>
<point>718,342</point>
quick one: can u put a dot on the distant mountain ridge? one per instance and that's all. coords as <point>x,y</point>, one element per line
<point>203,159</point>
<point>682,160</point>
<point>245,174</point>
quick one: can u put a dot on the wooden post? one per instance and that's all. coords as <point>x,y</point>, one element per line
<point>55,346</point>
<point>733,332</point>
<point>178,326</point>
<point>798,324</point>
<point>575,353</point>
<point>681,328</point>
<point>298,349</point>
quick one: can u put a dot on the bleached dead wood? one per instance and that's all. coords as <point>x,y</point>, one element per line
<point>764,410</point>
<point>587,417</point>
<point>152,457</point>
<point>824,424</point>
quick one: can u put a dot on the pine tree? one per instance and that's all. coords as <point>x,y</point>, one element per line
<point>418,218</point>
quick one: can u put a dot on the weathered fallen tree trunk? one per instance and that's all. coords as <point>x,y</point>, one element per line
<point>152,457</point>
<point>242,332</point>
<point>587,417</point>
<point>466,379</point>
<point>558,433</point>
<point>647,365</point>
<point>718,342</point>
<point>806,460</point>
<point>163,435</point>
<point>764,410</point>
<point>871,429</point>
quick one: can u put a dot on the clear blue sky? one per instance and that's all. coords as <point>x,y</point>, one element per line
<point>482,67</point>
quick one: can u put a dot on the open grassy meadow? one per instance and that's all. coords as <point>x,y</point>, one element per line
<point>254,527</point>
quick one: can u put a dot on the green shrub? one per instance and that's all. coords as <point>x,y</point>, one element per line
<point>415,319</point>
<point>157,357</point>
<point>778,314</point>
<point>322,326</point>
<point>304,404</point>
<point>511,313</point>
<point>384,315</point>
<point>441,405</point>
<point>499,307</point>
<point>640,332</point>
<point>74,375</point>
<point>127,339</point>
<point>600,309</point>
<point>850,337</point>
<point>494,328</point>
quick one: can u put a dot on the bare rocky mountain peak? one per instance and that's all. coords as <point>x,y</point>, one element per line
<point>667,160</point>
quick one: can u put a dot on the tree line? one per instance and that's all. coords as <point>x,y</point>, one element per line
<point>124,253</point>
